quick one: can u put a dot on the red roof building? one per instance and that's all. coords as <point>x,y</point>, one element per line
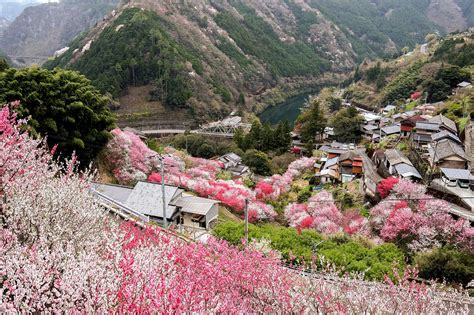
<point>407,125</point>
<point>416,95</point>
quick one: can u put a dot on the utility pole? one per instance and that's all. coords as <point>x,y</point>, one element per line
<point>163,191</point>
<point>246,227</point>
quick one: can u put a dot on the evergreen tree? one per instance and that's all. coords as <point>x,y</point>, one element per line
<point>63,105</point>
<point>313,122</point>
<point>346,124</point>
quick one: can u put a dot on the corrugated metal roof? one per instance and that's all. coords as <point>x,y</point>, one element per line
<point>393,129</point>
<point>421,137</point>
<point>406,170</point>
<point>115,192</point>
<point>454,173</point>
<point>231,157</point>
<point>370,127</point>
<point>464,84</point>
<point>146,198</point>
<point>331,162</point>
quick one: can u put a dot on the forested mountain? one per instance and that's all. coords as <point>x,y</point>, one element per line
<point>40,30</point>
<point>433,70</point>
<point>209,56</point>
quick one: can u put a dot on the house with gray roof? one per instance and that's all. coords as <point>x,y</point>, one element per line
<point>390,130</point>
<point>388,109</point>
<point>233,164</point>
<point>447,154</point>
<point>145,201</point>
<point>465,85</point>
<point>397,164</point>
<point>369,130</point>
<point>444,123</point>
<point>423,132</point>
<point>443,135</point>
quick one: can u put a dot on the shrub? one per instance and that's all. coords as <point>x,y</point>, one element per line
<point>447,263</point>
<point>258,162</point>
<point>296,247</point>
<point>385,186</point>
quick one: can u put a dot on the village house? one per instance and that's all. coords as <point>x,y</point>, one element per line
<point>330,171</point>
<point>408,124</point>
<point>392,162</point>
<point>371,118</point>
<point>336,149</point>
<point>145,200</point>
<point>445,135</point>
<point>371,178</point>
<point>444,123</point>
<point>397,164</point>
<point>399,117</point>
<point>328,133</point>
<point>447,154</point>
<point>233,164</point>
<point>464,85</point>
<point>369,131</point>
<point>350,166</point>
<point>423,132</point>
<point>392,130</point>
<point>388,109</point>
<point>429,108</point>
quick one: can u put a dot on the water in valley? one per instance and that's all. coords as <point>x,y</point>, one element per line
<point>288,110</point>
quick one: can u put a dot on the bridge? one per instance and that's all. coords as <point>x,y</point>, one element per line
<point>169,132</point>
<point>222,129</point>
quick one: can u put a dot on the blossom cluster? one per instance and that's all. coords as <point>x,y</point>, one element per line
<point>322,214</point>
<point>200,177</point>
<point>272,188</point>
<point>130,159</point>
<point>408,215</point>
<point>61,253</point>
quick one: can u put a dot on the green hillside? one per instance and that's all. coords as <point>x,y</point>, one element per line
<point>216,57</point>
<point>124,56</point>
<point>372,24</point>
<point>435,73</point>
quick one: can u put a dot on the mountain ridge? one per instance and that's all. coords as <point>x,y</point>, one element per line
<point>229,53</point>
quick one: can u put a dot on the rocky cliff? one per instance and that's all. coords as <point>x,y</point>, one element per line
<point>41,30</point>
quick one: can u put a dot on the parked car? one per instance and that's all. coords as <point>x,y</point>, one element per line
<point>464,184</point>
<point>450,182</point>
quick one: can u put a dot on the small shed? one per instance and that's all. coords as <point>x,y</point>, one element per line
<point>197,211</point>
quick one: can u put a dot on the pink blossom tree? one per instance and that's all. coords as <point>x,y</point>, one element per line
<point>409,216</point>
<point>130,159</point>
<point>272,188</point>
<point>386,185</point>
<point>322,214</point>
<point>61,253</point>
